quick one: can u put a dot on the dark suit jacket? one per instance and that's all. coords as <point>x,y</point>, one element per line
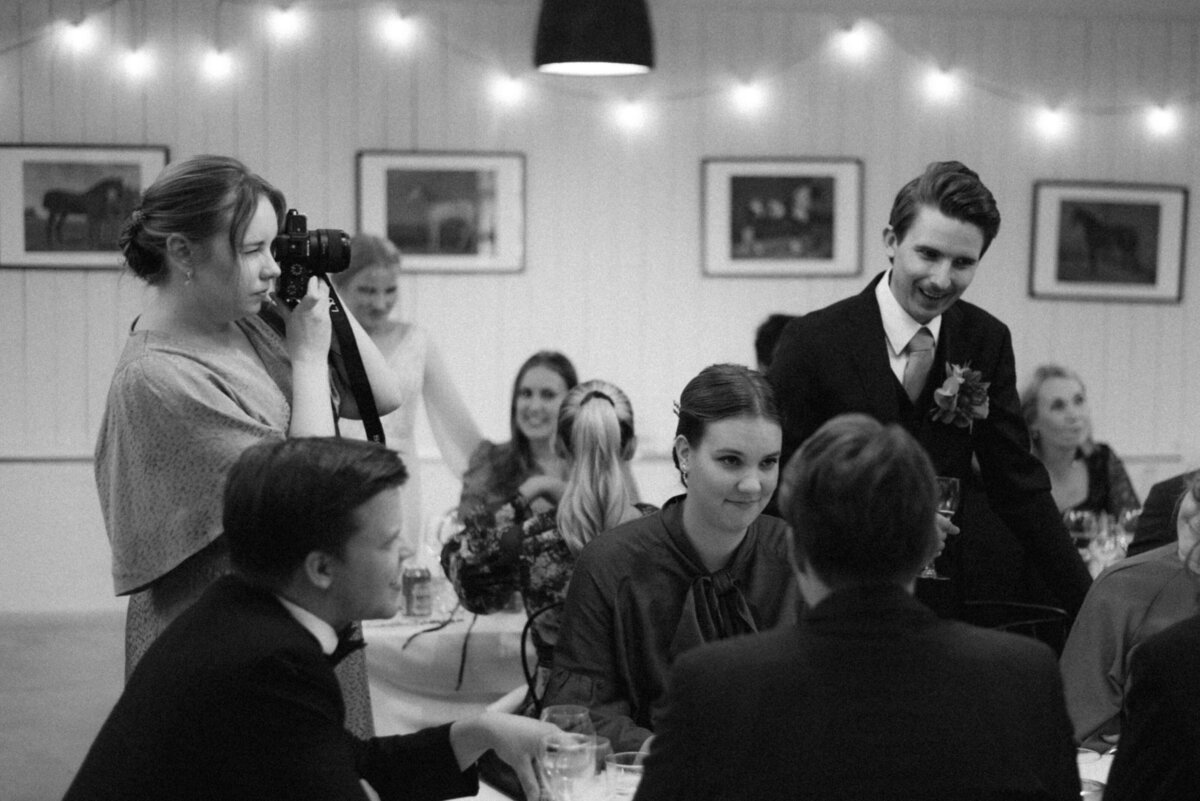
<point>835,360</point>
<point>236,701</point>
<point>1159,755</point>
<point>870,696</point>
<point>1156,524</point>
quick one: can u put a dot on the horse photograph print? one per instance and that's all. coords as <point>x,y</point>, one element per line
<point>1108,241</point>
<point>64,206</point>
<point>446,211</point>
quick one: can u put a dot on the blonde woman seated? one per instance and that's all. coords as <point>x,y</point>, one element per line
<point>1129,601</point>
<point>1084,475</point>
<point>707,567</point>
<point>370,288</point>
<point>536,552</point>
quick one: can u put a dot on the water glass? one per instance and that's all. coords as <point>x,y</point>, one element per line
<point>949,493</point>
<point>624,773</point>
<point>567,765</point>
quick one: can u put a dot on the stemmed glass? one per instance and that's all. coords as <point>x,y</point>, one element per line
<point>570,717</point>
<point>949,494</point>
<point>567,765</point>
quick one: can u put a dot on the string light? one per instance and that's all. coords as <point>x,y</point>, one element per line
<point>285,23</point>
<point>631,116</point>
<point>1051,123</point>
<point>79,36</point>
<point>941,86</point>
<point>855,43</point>
<point>399,30</point>
<point>218,65</point>
<point>138,63</point>
<point>507,90</point>
<point>749,97</point>
<point>1162,121</point>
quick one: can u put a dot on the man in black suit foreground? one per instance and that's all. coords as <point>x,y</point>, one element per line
<point>1156,524</point>
<point>870,695</point>
<point>907,350</point>
<point>238,699</point>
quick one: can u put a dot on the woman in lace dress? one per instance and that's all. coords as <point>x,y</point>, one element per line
<point>370,289</point>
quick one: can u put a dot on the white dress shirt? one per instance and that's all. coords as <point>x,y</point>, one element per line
<point>898,326</point>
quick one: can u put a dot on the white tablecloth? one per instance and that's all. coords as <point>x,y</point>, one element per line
<point>413,685</point>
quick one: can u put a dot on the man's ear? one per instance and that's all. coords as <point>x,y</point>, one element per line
<point>318,569</point>
<point>890,242</point>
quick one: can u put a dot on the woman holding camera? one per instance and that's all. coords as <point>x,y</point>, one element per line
<point>204,375</point>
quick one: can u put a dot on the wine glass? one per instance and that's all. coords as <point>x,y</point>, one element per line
<point>570,717</point>
<point>567,765</point>
<point>949,493</point>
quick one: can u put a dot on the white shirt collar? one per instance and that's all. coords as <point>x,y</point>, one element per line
<point>898,326</point>
<point>325,633</point>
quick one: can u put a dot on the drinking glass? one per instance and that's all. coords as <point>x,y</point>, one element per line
<point>570,717</point>
<point>949,493</point>
<point>567,765</point>
<point>624,774</point>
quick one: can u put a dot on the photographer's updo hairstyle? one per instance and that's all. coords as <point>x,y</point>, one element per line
<point>595,429</point>
<point>196,197</point>
<point>719,392</point>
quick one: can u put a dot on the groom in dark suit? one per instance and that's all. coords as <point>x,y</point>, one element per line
<point>870,695</point>
<point>907,350</point>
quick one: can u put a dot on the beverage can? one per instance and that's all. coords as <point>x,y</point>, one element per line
<point>418,598</point>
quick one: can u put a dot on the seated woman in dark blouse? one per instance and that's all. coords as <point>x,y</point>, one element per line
<point>706,567</point>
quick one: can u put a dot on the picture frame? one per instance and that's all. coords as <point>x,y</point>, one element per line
<point>447,212</point>
<point>1106,241</point>
<point>781,217</point>
<point>63,206</point>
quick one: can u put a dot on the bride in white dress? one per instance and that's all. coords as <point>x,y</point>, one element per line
<point>370,288</point>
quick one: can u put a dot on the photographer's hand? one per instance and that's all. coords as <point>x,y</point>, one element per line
<point>309,331</point>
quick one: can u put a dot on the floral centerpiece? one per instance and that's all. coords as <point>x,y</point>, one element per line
<point>962,398</point>
<point>481,558</point>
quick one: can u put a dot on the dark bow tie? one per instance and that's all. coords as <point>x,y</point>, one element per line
<point>349,640</point>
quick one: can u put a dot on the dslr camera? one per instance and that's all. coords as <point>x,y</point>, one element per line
<point>302,253</point>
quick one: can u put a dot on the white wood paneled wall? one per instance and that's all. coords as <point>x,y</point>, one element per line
<point>612,274</point>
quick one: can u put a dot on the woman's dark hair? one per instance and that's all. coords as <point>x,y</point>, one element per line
<point>197,198</point>
<point>953,189</point>
<point>551,360</point>
<point>719,392</point>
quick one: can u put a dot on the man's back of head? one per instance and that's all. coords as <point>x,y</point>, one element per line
<point>861,502</point>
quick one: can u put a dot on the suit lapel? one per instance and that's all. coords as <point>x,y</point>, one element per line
<point>869,355</point>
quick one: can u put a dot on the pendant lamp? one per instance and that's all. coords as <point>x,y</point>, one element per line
<point>594,37</point>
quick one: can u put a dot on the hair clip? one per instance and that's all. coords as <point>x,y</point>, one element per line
<point>675,407</point>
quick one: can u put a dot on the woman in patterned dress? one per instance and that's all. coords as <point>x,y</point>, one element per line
<point>204,374</point>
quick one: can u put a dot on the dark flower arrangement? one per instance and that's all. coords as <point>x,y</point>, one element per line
<point>481,560</point>
<point>962,398</point>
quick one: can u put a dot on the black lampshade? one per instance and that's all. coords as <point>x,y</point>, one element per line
<point>594,37</point>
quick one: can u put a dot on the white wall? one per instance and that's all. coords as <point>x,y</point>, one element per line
<point>612,274</point>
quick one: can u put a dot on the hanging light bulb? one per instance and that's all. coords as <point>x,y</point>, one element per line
<point>749,97</point>
<point>1162,120</point>
<point>285,23</point>
<point>594,37</point>
<point>217,64</point>
<point>399,30</point>
<point>631,116</point>
<point>855,42</point>
<point>138,63</point>
<point>79,36</point>
<point>1052,123</point>
<point>507,90</point>
<point>941,85</point>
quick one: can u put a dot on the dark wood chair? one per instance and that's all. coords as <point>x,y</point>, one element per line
<point>1049,624</point>
<point>535,699</point>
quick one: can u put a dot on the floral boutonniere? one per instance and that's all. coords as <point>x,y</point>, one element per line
<point>962,398</point>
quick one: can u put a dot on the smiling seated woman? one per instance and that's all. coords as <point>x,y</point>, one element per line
<point>708,566</point>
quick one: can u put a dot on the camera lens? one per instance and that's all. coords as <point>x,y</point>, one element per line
<point>330,250</point>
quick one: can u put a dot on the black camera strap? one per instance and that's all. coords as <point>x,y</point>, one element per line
<point>353,364</point>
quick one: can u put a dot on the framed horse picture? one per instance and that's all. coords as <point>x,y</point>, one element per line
<point>781,218</point>
<point>1103,241</point>
<point>62,206</point>
<point>447,212</point>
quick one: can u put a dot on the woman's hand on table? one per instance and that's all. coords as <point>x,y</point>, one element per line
<point>515,739</point>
